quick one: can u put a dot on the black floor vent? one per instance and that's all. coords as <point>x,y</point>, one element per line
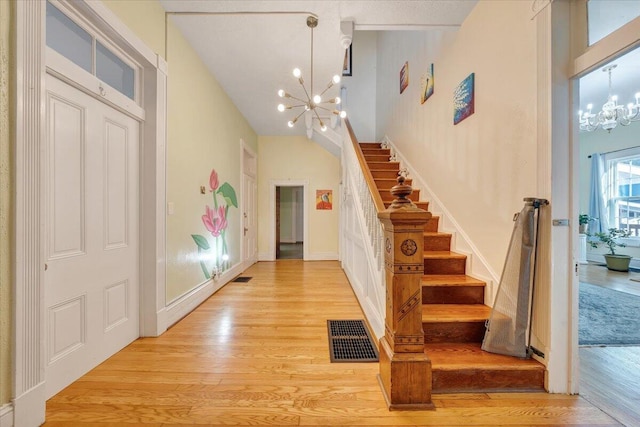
<point>350,341</point>
<point>243,279</point>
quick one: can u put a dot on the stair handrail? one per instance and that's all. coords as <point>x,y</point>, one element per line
<point>368,176</point>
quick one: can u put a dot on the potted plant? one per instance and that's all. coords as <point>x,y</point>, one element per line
<point>616,262</point>
<point>584,220</point>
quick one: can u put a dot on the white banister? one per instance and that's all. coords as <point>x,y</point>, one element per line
<point>362,237</point>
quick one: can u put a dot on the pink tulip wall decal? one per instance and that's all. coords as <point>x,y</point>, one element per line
<point>215,220</point>
<point>213,180</point>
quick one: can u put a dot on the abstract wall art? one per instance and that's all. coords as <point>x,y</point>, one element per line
<point>426,86</point>
<point>464,99</point>
<point>404,77</point>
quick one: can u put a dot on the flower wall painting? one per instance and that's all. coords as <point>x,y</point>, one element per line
<point>464,99</point>
<point>324,200</point>
<point>215,257</point>
<point>404,77</point>
<point>426,86</point>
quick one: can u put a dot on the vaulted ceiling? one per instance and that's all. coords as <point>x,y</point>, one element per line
<point>251,47</point>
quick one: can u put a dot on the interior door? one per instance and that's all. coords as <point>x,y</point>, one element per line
<point>250,224</point>
<point>91,232</point>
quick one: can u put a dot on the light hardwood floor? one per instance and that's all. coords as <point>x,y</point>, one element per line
<point>257,354</point>
<point>610,376</point>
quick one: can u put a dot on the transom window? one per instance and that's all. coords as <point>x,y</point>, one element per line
<point>83,49</point>
<point>606,16</point>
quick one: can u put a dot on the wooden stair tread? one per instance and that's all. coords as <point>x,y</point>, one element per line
<point>436,234</point>
<point>454,313</point>
<point>443,255</point>
<point>451,280</point>
<point>458,356</point>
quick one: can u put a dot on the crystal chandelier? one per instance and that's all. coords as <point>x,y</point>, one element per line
<point>611,114</point>
<point>311,102</point>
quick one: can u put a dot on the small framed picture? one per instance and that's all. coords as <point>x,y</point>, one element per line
<point>324,200</point>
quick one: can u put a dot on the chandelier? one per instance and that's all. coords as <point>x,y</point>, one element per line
<point>311,102</point>
<point>612,113</point>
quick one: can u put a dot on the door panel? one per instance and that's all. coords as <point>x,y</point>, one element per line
<point>91,283</point>
<point>66,219</point>
<point>250,240</point>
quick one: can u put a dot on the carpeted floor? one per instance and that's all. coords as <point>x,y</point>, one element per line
<point>608,316</point>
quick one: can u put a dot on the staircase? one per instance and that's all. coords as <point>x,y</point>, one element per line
<point>453,309</point>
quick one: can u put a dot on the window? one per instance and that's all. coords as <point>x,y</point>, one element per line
<point>68,38</point>
<point>80,47</point>
<point>623,189</point>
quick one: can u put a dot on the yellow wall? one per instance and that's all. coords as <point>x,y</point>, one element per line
<point>204,132</point>
<point>5,209</point>
<point>483,167</point>
<point>298,159</point>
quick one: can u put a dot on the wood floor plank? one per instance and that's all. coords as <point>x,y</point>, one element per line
<point>256,353</point>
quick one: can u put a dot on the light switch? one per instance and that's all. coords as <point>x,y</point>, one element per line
<point>170,208</point>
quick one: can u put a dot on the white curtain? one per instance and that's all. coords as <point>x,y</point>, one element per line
<point>597,207</point>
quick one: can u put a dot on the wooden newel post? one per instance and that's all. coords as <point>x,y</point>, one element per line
<point>405,370</point>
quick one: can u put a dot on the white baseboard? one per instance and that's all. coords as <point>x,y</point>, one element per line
<point>6,415</point>
<point>322,256</point>
<point>29,408</point>
<point>264,256</point>
<point>316,256</point>
<point>186,303</point>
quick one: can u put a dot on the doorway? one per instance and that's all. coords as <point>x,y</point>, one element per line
<point>289,222</point>
<point>91,283</point>
<point>609,301</point>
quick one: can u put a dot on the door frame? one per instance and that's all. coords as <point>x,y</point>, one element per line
<point>29,309</point>
<point>272,215</point>
<point>251,169</point>
<point>563,56</point>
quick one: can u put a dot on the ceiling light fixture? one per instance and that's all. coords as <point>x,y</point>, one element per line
<point>313,102</point>
<point>611,114</point>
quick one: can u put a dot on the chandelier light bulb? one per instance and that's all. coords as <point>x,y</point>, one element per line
<point>343,114</point>
<point>614,98</point>
<point>323,127</point>
<point>637,97</point>
<point>290,123</point>
<point>317,99</point>
<point>281,107</point>
<point>297,73</point>
<point>337,100</point>
<point>336,79</point>
<point>589,107</point>
<point>281,93</point>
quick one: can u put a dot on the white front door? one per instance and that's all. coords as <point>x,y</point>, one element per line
<point>91,232</point>
<point>250,223</point>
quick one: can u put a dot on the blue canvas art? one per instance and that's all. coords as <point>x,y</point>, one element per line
<point>463,99</point>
